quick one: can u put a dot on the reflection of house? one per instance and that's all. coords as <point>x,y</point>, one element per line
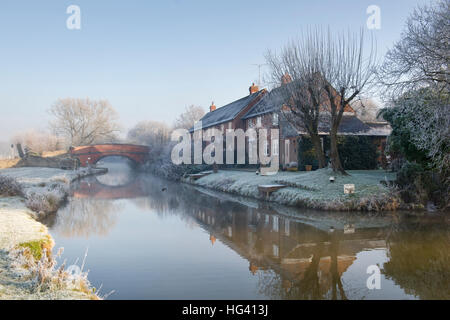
<point>293,250</point>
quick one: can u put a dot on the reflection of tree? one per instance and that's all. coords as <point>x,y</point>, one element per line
<point>420,260</point>
<point>86,217</point>
<point>316,282</point>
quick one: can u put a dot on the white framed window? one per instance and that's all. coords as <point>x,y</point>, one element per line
<point>266,148</point>
<point>250,123</point>
<point>287,227</point>
<point>275,250</point>
<point>275,147</point>
<point>286,151</point>
<point>251,142</point>
<point>275,224</point>
<point>258,122</point>
<point>275,119</point>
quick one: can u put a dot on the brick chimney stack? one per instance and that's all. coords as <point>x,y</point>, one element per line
<point>286,78</point>
<point>254,88</point>
<point>212,107</point>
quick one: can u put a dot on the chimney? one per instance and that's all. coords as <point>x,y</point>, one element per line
<point>286,78</point>
<point>212,107</point>
<point>254,88</point>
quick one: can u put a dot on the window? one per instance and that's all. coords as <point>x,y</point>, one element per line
<point>275,224</point>
<point>275,147</point>
<point>275,250</point>
<point>275,119</point>
<point>258,122</point>
<point>287,227</point>
<point>266,148</point>
<point>286,151</point>
<point>250,123</point>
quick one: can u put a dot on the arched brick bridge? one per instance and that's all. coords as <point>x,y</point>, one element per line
<point>92,154</point>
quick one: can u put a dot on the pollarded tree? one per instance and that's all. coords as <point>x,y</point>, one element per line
<point>328,73</point>
<point>349,74</point>
<point>300,93</point>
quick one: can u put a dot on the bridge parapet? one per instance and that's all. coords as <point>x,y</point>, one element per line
<point>89,155</point>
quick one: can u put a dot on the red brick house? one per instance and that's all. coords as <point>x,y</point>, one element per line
<point>262,109</point>
<point>230,115</point>
<point>267,114</point>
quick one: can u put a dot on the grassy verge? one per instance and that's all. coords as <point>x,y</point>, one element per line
<point>313,189</point>
<point>28,268</point>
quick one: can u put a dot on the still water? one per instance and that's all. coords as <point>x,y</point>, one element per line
<point>148,238</point>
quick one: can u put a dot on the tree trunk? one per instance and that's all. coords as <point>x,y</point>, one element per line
<point>334,153</point>
<point>318,149</point>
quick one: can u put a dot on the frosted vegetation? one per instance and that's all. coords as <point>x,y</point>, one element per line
<point>27,265</point>
<point>44,189</point>
<point>312,189</point>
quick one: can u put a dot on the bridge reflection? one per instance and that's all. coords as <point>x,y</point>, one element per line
<point>93,188</point>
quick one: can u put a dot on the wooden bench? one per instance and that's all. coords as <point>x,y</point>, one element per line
<point>267,189</point>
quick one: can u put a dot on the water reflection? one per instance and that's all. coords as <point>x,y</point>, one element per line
<point>290,254</point>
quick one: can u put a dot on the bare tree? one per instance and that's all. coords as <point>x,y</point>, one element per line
<point>319,62</point>
<point>422,56</point>
<point>416,75</point>
<point>151,133</point>
<point>190,116</point>
<point>348,73</point>
<point>84,121</point>
<point>300,91</point>
<point>38,141</point>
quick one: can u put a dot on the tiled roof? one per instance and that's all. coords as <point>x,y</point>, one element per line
<point>227,112</point>
<point>350,125</point>
<point>271,102</point>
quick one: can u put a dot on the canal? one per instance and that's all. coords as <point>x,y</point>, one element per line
<point>147,238</point>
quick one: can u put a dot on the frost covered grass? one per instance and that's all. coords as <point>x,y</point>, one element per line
<point>312,189</point>
<point>27,267</point>
<point>45,189</point>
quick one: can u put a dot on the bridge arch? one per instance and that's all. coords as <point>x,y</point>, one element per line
<point>89,155</point>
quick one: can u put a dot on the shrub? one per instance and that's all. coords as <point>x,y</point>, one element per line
<point>9,187</point>
<point>306,154</point>
<point>357,153</point>
<point>47,201</point>
<point>420,185</point>
<point>408,173</point>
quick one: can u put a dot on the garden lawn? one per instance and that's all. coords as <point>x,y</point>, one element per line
<point>311,189</point>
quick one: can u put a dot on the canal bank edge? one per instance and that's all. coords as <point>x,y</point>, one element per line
<point>312,190</point>
<point>27,265</point>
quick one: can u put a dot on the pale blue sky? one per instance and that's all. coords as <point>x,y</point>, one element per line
<point>152,59</point>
